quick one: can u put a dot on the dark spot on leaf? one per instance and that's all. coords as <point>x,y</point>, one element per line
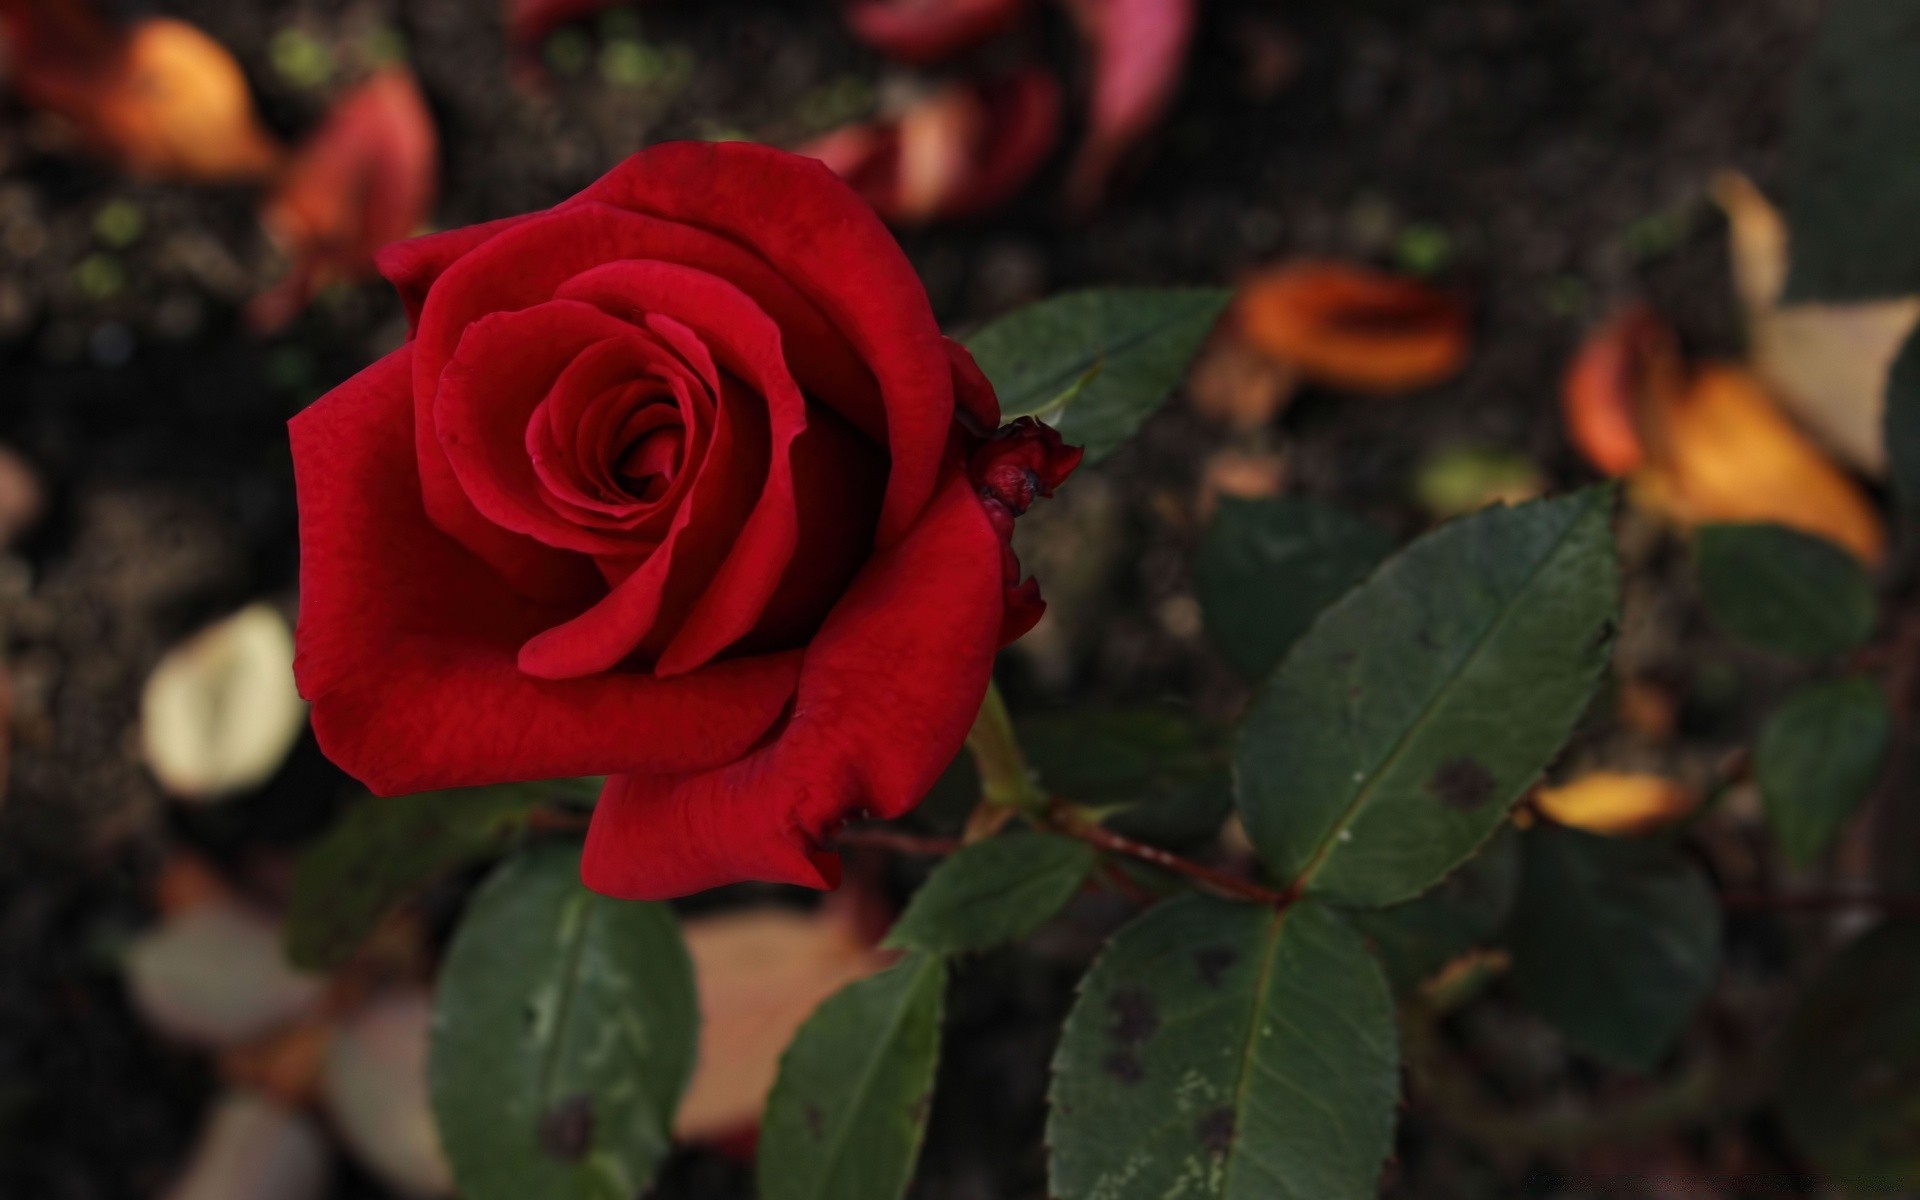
<point>1215,1131</point>
<point>1135,1017</point>
<point>566,1129</point>
<point>1425,639</point>
<point>1214,962</point>
<point>1125,1066</point>
<point>1609,629</point>
<point>816,1122</point>
<point>1462,783</point>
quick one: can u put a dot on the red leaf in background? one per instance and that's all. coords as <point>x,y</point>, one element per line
<point>1139,50</point>
<point>162,98</point>
<point>1626,376</point>
<point>924,31</point>
<point>957,153</point>
<point>366,177</point>
<point>1354,328</point>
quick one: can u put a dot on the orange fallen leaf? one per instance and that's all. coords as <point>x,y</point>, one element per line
<point>760,972</point>
<point>1827,363</point>
<point>1625,372</point>
<point>1139,50</point>
<point>1353,328</point>
<point>367,177</point>
<point>1709,446</point>
<point>1617,803</point>
<point>1732,455</point>
<point>160,97</point>
<point>957,153</point>
<point>925,31</point>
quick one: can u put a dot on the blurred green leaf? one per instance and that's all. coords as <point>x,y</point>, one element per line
<point>565,1025</point>
<point>1853,180</point>
<point>1615,941</point>
<point>849,1110</point>
<point>1817,759</point>
<point>1416,939</point>
<point>1783,590</point>
<point>1140,339</point>
<point>993,892</point>
<point>387,848</point>
<point>1400,730</point>
<point>1268,567</point>
<point>1849,1082</point>
<point>1226,1050</point>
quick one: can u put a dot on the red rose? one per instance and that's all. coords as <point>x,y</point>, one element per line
<point>679,483</point>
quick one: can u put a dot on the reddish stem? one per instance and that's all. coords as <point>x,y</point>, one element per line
<point>1819,902</point>
<point>1063,819</point>
<point>879,838</point>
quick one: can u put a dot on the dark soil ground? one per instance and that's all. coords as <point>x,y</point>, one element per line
<point>1558,150</point>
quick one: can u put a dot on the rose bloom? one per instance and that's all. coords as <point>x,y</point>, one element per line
<point>679,483</point>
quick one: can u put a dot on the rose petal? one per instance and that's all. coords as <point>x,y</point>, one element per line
<point>816,229</point>
<point>414,265</point>
<point>502,371</point>
<point>523,266</point>
<point>886,695</point>
<point>745,343</point>
<point>644,609</point>
<point>416,692</point>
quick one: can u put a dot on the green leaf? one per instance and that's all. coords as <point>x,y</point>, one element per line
<point>564,1032</point>
<point>1903,425</point>
<point>1163,770</point>
<point>848,1112</point>
<point>1853,180</point>
<point>1783,590</point>
<point>1226,1052</point>
<point>1849,1083</point>
<point>386,849</point>
<point>1042,358</point>
<point>1615,941</point>
<point>993,892</point>
<point>1268,567</point>
<point>1417,710</point>
<point>1817,759</point>
<point>1416,939</point>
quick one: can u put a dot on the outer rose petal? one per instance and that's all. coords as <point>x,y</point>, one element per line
<point>887,692</point>
<point>797,215</point>
<point>406,642</point>
<point>413,265</point>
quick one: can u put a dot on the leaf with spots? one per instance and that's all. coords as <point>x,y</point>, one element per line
<point>387,848</point>
<point>1615,941</point>
<point>1096,364</point>
<point>849,1109</point>
<point>564,1033</point>
<point>1221,1051</point>
<point>1400,730</point>
<point>993,892</point>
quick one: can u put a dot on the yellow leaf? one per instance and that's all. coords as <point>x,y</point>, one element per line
<point>1616,803</point>
<point>1827,363</point>
<point>1727,453</point>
